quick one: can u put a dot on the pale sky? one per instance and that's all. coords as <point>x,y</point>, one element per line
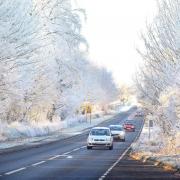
<point>112,30</point>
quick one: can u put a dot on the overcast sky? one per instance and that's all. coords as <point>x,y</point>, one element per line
<point>112,31</point>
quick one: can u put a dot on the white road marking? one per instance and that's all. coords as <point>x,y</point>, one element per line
<point>14,171</point>
<point>67,153</point>
<point>124,153</point>
<point>76,149</point>
<point>54,157</point>
<point>107,172</point>
<point>38,163</point>
<point>69,157</point>
<point>60,155</point>
<point>102,177</point>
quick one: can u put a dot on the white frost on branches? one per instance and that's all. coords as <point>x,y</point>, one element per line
<point>158,80</point>
<point>43,71</point>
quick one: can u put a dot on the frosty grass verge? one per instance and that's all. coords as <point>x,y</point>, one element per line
<point>153,149</point>
<point>18,134</point>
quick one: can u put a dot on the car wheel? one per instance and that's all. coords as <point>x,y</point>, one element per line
<point>111,147</point>
<point>89,147</point>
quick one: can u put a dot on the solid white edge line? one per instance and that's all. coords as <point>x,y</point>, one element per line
<point>124,153</point>
<point>38,163</point>
<point>14,171</point>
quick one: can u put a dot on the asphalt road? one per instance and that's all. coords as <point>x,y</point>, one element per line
<point>130,169</point>
<point>67,159</point>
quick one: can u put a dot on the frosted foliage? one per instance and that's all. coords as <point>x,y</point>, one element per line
<point>158,81</point>
<point>43,72</point>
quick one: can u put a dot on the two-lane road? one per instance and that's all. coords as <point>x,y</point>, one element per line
<point>66,159</point>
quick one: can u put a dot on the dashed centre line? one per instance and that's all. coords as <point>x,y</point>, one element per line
<point>41,162</point>
<point>63,155</point>
<point>54,157</point>
<point>67,153</point>
<point>15,171</point>
<point>38,163</point>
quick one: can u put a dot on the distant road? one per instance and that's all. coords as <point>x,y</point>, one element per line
<point>67,159</point>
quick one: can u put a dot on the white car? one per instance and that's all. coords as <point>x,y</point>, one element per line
<point>100,136</point>
<point>117,132</point>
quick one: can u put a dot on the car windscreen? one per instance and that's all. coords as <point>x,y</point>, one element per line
<point>116,128</point>
<point>100,132</point>
<point>129,121</point>
<point>128,124</point>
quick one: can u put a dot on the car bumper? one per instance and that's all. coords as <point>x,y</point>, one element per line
<point>118,136</point>
<point>130,129</point>
<point>93,144</point>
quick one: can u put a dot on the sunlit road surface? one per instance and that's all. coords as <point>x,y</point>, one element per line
<point>69,159</point>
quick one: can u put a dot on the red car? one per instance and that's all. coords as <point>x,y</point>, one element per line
<point>129,127</point>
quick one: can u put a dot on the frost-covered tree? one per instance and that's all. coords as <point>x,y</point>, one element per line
<point>43,70</point>
<point>159,75</point>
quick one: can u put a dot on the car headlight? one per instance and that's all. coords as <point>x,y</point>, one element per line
<point>90,139</point>
<point>107,139</point>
